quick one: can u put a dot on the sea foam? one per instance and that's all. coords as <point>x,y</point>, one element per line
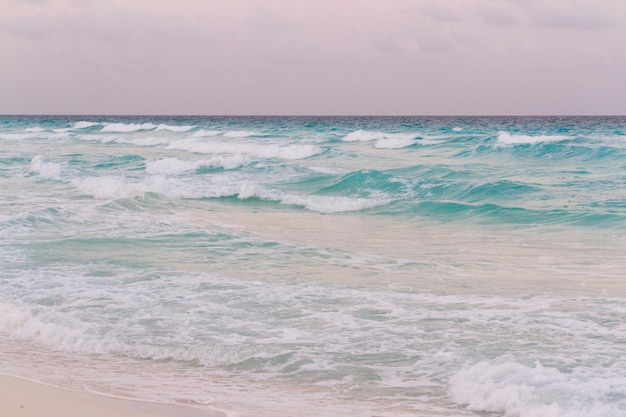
<point>127,127</point>
<point>506,386</point>
<point>253,149</point>
<point>168,166</point>
<point>50,170</point>
<point>174,128</point>
<point>383,140</point>
<point>505,138</point>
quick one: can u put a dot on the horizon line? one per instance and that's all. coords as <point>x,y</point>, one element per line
<point>304,115</point>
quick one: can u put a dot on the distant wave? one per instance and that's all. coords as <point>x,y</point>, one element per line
<point>505,138</point>
<point>204,133</point>
<point>84,125</point>
<point>253,149</point>
<point>174,128</point>
<point>241,134</point>
<point>384,140</point>
<point>168,166</point>
<point>127,127</point>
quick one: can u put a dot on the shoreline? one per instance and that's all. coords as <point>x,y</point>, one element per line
<point>24,398</point>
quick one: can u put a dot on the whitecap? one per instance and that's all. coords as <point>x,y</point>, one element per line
<point>35,129</point>
<point>174,128</point>
<point>50,170</point>
<point>127,127</point>
<point>506,138</point>
<point>514,389</point>
<point>383,140</point>
<point>253,149</point>
<point>84,125</point>
<point>241,134</point>
<point>169,166</point>
<point>395,142</point>
<point>204,133</point>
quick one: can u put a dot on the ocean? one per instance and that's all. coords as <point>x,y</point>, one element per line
<point>319,266</point>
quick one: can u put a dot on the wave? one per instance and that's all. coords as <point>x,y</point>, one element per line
<point>514,389</point>
<point>35,129</point>
<point>49,170</point>
<point>85,125</point>
<point>505,138</point>
<point>384,140</point>
<point>253,149</point>
<point>395,142</point>
<point>127,127</point>
<point>169,166</point>
<point>204,133</point>
<point>112,187</point>
<point>241,134</point>
<point>174,128</point>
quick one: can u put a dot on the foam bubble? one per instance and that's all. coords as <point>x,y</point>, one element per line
<point>127,127</point>
<point>506,138</point>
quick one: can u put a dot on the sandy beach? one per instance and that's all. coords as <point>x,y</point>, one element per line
<point>22,398</point>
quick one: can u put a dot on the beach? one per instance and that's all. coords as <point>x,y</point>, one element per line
<point>22,398</point>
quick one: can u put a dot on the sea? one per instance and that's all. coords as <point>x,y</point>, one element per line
<point>319,266</point>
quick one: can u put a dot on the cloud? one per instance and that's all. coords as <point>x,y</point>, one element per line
<point>570,14</point>
<point>497,14</point>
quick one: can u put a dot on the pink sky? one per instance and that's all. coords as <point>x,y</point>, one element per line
<point>416,57</point>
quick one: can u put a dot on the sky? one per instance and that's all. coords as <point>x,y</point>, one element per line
<point>313,57</point>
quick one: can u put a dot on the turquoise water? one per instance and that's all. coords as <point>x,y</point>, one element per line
<point>319,266</point>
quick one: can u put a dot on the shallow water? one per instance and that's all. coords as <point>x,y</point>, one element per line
<point>319,266</point>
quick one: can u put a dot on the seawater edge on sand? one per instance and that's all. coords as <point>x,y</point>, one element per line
<point>23,398</point>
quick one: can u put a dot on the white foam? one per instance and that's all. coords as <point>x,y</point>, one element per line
<point>35,129</point>
<point>322,204</point>
<point>396,142</point>
<point>174,128</point>
<point>127,127</point>
<point>50,170</point>
<point>106,187</point>
<point>513,389</point>
<point>205,133</point>
<point>145,141</point>
<point>253,149</point>
<point>84,125</point>
<point>168,166</point>
<point>427,142</point>
<point>384,140</point>
<point>506,138</point>
<point>457,129</point>
<point>241,134</point>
